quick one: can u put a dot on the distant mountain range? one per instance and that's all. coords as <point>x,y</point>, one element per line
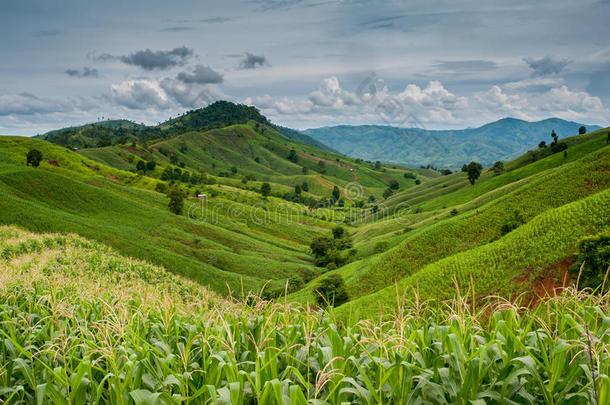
<point>500,140</point>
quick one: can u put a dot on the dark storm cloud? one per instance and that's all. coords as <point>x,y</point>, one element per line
<point>251,61</point>
<point>201,75</point>
<point>546,66</point>
<point>85,72</point>
<point>151,60</point>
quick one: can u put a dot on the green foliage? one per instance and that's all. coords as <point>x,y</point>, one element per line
<point>141,166</point>
<point>512,223</point>
<point>387,193</point>
<point>582,130</point>
<point>336,193</point>
<point>498,168</point>
<point>393,185</point>
<point>34,157</point>
<point>292,156</point>
<point>593,257</point>
<point>161,188</point>
<point>150,165</point>
<point>381,246</point>
<point>265,189</point>
<point>473,171</point>
<point>176,200</point>
<point>331,291</point>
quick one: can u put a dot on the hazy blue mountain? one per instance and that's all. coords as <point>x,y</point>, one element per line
<point>301,137</point>
<point>499,140</point>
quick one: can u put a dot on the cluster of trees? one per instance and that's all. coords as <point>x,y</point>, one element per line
<point>331,291</point>
<point>177,174</point>
<point>556,146</point>
<point>327,250</point>
<point>144,167</point>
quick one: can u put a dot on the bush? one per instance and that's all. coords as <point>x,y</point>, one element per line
<point>331,291</point>
<point>161,188</point>
<point>381,246</point>
<point>454,212</point>
<point>594,252</point>
<point>514,222</point>
<point>34,157</point>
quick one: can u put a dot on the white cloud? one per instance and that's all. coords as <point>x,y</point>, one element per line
<point>28,104</point>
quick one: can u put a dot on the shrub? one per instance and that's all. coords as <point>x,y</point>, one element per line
<point>265,189</point>
<point>454,212</point>
<point>34,157</point>
<point>594,252</point>
<point>331,291</point>
<point>515,221</point>
<point>161,188</point>
<point>381,246</point>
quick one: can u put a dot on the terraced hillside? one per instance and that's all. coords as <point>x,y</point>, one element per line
<point>446,230</point>
<point>82,324</point>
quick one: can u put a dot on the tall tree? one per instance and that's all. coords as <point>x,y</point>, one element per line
<point>176,200</point>
<point>582,130</point>
<point>473,170</point>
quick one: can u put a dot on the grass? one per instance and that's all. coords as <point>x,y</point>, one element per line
<point>82,324</point>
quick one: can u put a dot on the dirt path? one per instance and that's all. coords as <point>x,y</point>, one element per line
<point>329,162</point>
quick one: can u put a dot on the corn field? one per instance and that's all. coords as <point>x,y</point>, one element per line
<point>80,324</point>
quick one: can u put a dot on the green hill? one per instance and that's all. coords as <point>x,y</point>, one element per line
<point>501,140</point>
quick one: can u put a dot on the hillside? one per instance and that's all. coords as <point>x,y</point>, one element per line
<point>82,324</point>
<point>501,140</point>
<point>447,229</point>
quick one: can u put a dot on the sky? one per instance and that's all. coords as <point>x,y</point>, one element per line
<point>304,64</point>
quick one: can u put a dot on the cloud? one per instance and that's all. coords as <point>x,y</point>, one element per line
<point>163,94</point>
<point>139,94</point>
<point>29,104</point>
<point>151,60</point>
<point>85,72</point>
<point>176,29</point>
<point>201,75</point>
<point>251,61</point>
<point>476,65</point>
<point>214,20</point>
<point>546,66</point>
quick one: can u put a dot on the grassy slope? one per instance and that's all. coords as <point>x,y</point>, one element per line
<point>228,247</point>
<point>532,189</point>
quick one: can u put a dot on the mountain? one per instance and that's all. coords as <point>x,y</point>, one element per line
<point>301,137</point>
<point>500,140</point>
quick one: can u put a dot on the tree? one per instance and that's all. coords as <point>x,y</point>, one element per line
<point>161,188</point>
<point>336,193</point>
<point>176,200</point>
<point>377,165</point>
<point>554,136</point>
<point>141,166</point>
<point>265,189</point>
<point>542,145</point>
<point>473,170</point>
<point>332,291</point>
<point>297,189</point>
<point>387,193</point>
<point>292,156</point>
<point>234,170</point>
<point>339,232</point>
<point>393,185</point>
<point>417,182</point>
<point>498,168</point>
<point>34,157</point>
<point>167,174</point>
<point>582,130</point>
<point>150,165</point>
<point>321,167</point>
<point>305,170</point>
<point>305,186</point>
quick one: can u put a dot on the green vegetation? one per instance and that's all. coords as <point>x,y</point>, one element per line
<point>81,324</point>
<point>592,262</point>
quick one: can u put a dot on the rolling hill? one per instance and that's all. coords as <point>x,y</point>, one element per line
<point>500,140</point>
